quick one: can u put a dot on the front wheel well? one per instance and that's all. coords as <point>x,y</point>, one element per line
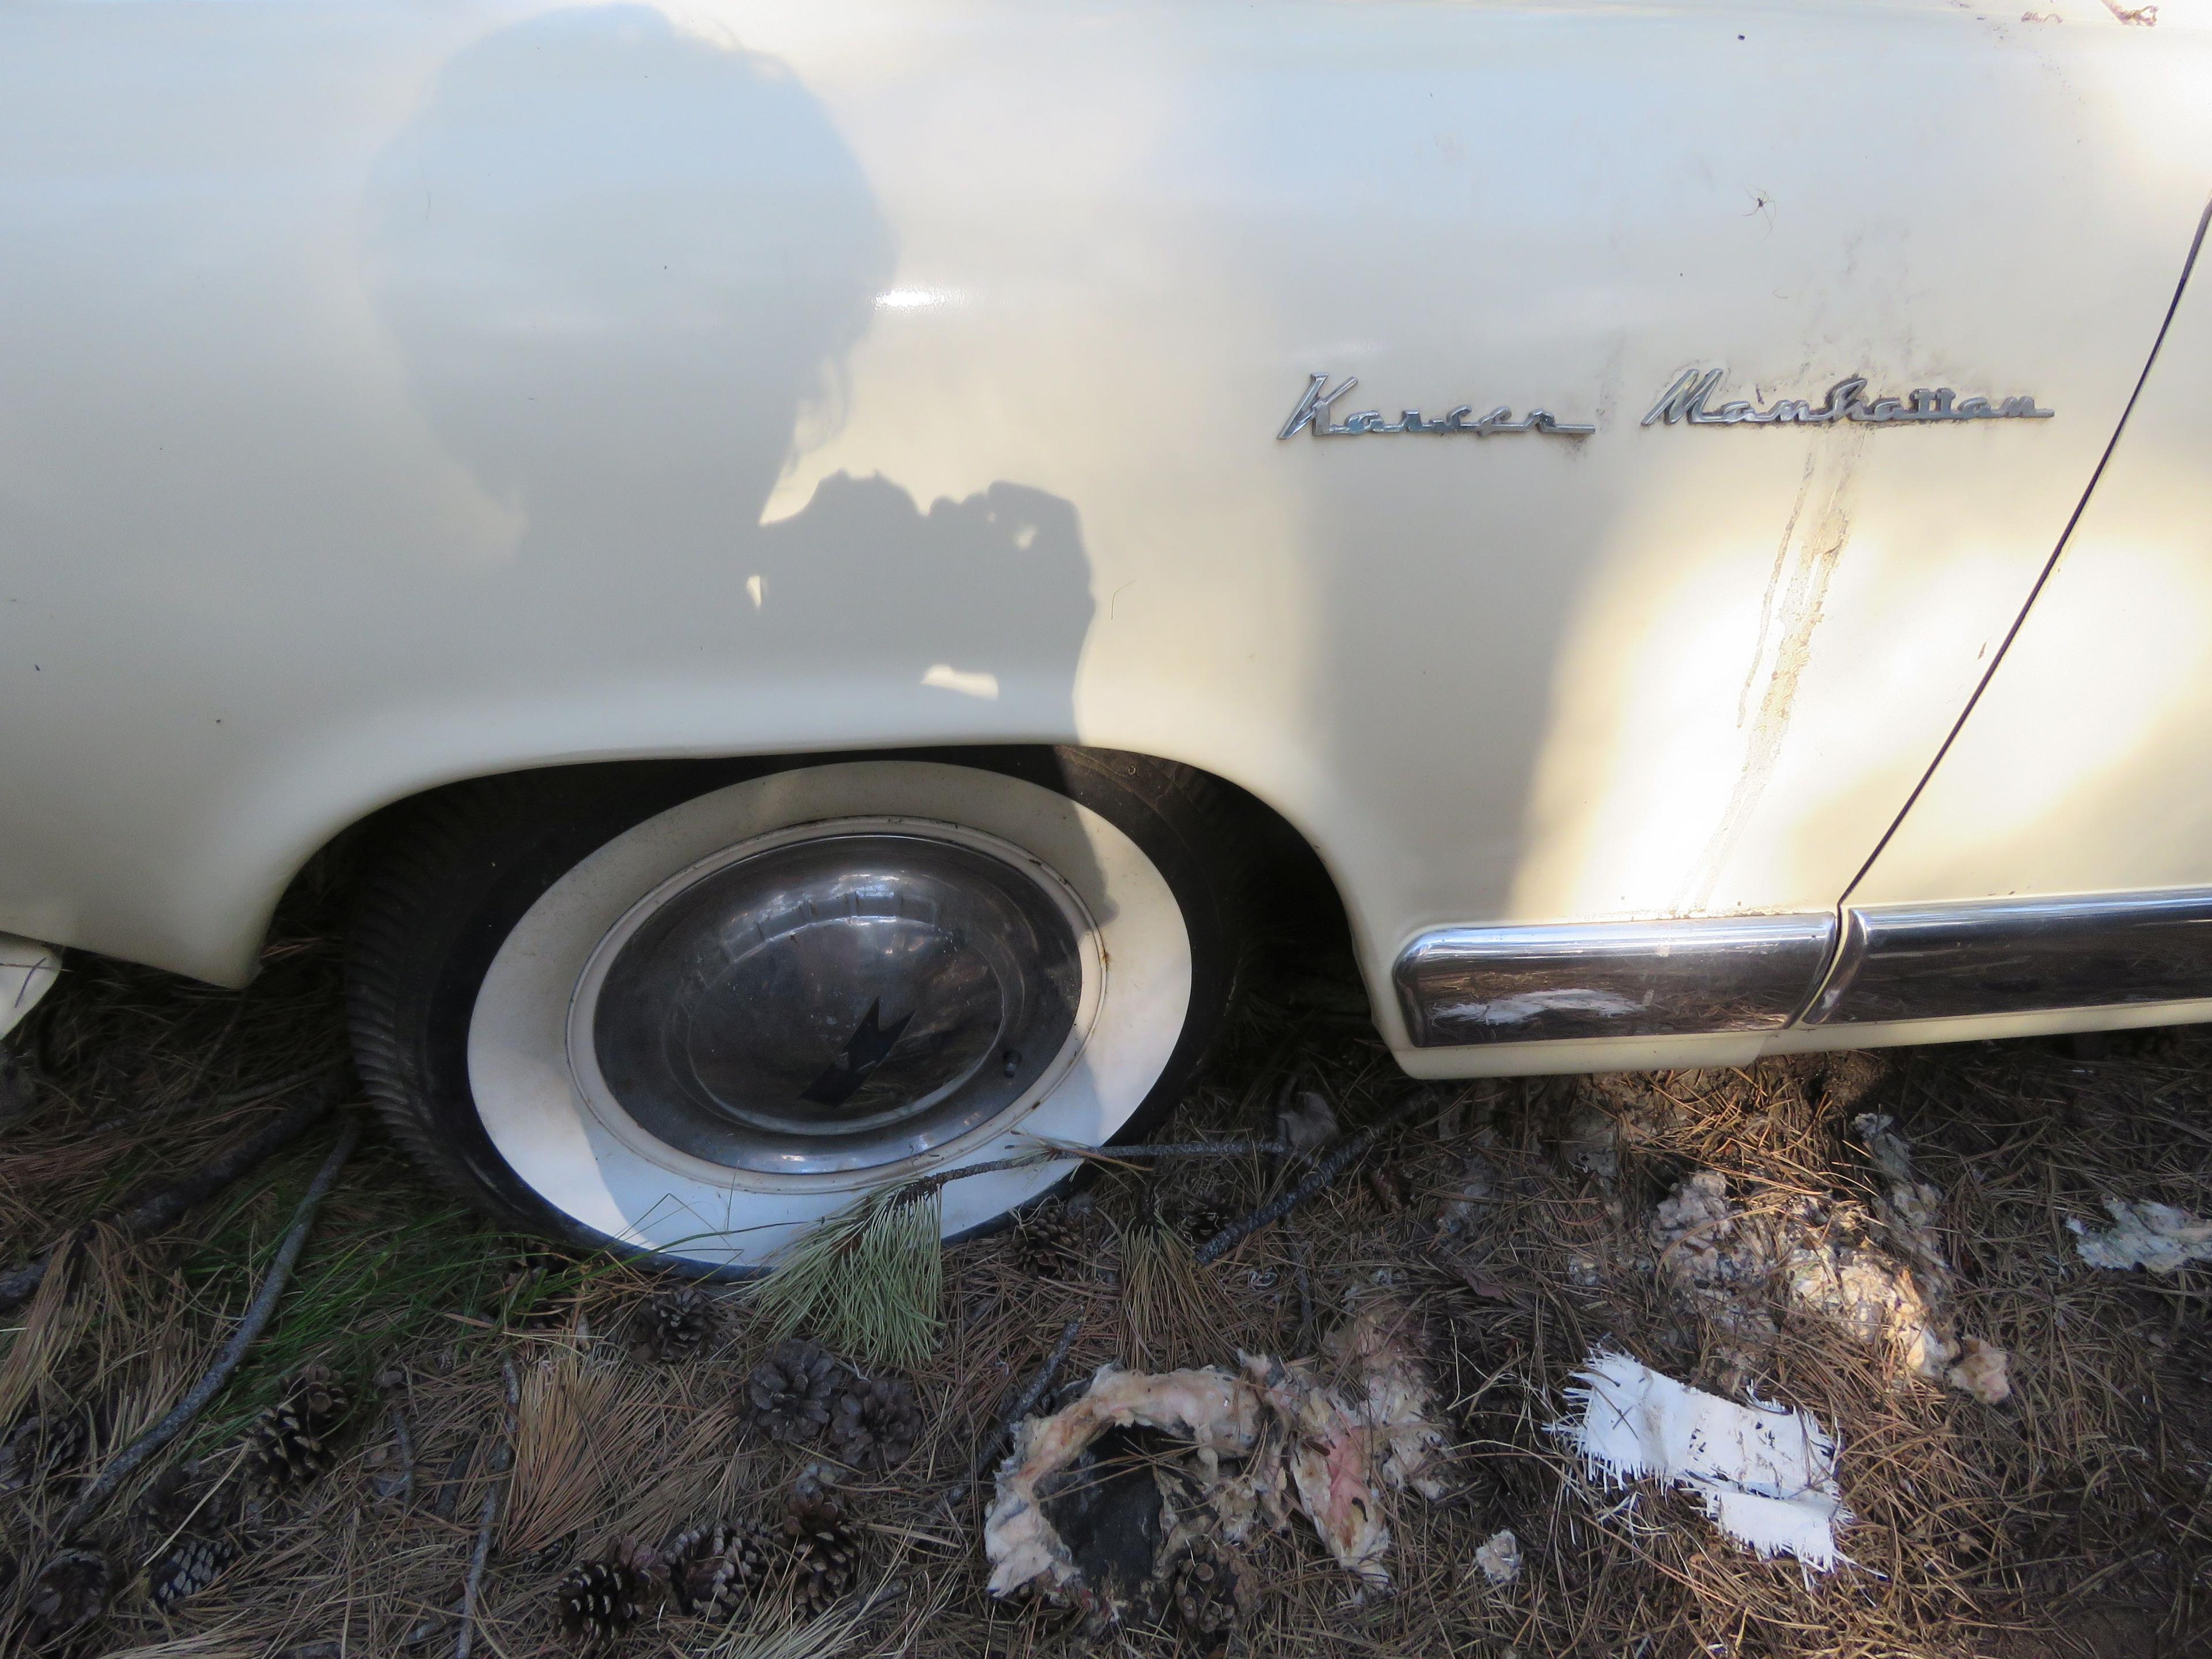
<point>1269,868</point>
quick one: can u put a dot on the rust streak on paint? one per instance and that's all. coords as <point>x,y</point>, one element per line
<point>1773,585</point>
<point>1796,596</point>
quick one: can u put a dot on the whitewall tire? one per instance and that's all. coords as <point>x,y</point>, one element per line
<point>687,1012</point>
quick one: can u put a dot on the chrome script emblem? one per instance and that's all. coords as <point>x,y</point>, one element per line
<point>1685,400</point>
<point>1313,412</point>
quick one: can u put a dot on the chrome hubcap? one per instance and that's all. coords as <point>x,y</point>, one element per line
<point>837,1002</point>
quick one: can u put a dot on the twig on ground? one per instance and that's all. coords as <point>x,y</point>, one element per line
<point>249,1327</point>
<point>159,1209</point>
<point>449,1488</point>
<point>1025,1403</point>
<point>502,1459</point>
<point>1054,1151</point>
<point>402,1491</point>
<point>1331,1164</point>
<point>1183,1149</point>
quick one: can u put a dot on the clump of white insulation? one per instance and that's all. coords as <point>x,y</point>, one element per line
<point>1877,1272</point>
<point>1766,1474</point>
<point>1323,1438</point>
<point>1498,1559</point>
<point>2155,1236</point>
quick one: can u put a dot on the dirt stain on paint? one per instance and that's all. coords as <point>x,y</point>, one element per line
<point>1805,562</point>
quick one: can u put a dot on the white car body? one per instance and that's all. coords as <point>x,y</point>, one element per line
<point>393,395</point>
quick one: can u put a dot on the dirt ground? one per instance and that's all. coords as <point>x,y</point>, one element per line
<point>1520,1223</point>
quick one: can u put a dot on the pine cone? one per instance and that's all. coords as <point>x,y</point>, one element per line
<point>789,1395</point>
<point>1050,1244</point>
<point>289,1445</point>
<point>711,1568</point>
<point>678,1324</point>
<point>825,1548</point>
<point>70,1590</point>
<point>527,1303</point>
<point>642,1559</point>
<point>598,1599</point>
<point>39,1447</point>
<point>177,1495</point>
<point>1211,1594</point>
<point>189,1567</point>
<point>320,1397</point>
<point>874,1425</point>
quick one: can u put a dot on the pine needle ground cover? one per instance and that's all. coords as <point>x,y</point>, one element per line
<point>689,1473</point>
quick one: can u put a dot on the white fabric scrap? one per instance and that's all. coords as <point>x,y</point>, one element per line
<point>1766,1474</point>
<point>2156,1237</point>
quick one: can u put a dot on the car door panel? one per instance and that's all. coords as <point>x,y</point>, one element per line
<point>2056,864</point>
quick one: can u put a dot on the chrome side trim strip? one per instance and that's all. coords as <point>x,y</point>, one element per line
<point>1544,983</point>
<point>2019,956</point>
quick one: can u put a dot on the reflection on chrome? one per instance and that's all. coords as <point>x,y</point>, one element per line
<point>1685,400</point>
<point>1550,982</point>
<point>1312,412</point>
<point>2014,956</point>
<point>839,1002</point>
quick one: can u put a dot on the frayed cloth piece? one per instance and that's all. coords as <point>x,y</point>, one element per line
<point>1766,1474</point>
<point>2156,1237</point>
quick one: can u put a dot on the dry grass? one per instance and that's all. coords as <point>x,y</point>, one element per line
<point>2073,1519</point>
